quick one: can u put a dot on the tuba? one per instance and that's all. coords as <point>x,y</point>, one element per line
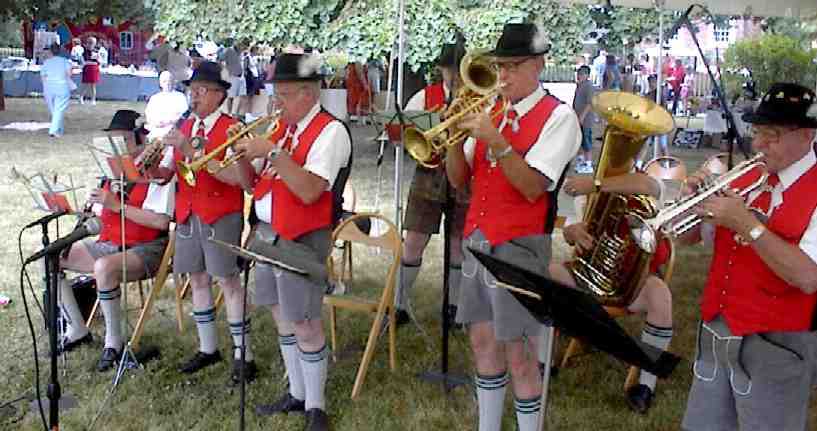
<point>480,87</point>
<point>614,269</point>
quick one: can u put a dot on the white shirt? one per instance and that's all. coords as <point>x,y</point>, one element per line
<point>102,55</point>
<point>163,111</point>
<point>328,154</point>
<point>55,71</point>
<point>788,176</point>
<point>209,121</point>
<point>160,199</point>
<point>418,101</point>
<point>557,144</point>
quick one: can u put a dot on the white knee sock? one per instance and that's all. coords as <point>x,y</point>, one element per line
<point>454,276</point>
<point>236,329</point>
<point>527,413</point>
<point>408,274</point>
<point>314,366</point>
<point>109,301</point>
<point>76,323</point>
<point>206,326</point>
<point>657,337</point>
<point>292,362</point>
<point>491,399</point>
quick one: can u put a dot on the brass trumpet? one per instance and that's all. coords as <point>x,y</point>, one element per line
<point>188,170</point>
<point>481,85</point>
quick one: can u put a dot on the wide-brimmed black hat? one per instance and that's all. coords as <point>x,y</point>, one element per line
<point>297,67</point>
<point>451,55</point>
<point>208,71</point>
<point>123,119</point>
<point>785,105</point>
<point>520,40</point>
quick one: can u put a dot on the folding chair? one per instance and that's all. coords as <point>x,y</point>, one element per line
<point>390,241</point>
<point>349,204</point>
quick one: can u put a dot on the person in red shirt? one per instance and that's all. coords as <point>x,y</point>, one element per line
<point>512,165</point>
<point>676,79</point>
<point>297,200</point>
<point>755,365</point>
<point>212,208</point>
<point>148,208</point>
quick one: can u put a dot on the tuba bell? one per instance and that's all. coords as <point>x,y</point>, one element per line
<point>614,269</point>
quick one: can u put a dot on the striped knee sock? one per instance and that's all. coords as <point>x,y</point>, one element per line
<point>527,413</point>
<point>292,362</point>
<point>314,365</point>
<point>655,336</point>
<point>491,399</point>
<point>111,309</point>
<point>236,329</point>
<point>206,326</point>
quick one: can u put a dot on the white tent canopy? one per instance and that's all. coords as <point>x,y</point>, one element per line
<point>781,8</point>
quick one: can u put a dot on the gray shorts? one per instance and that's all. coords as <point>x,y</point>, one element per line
<point>755,382</point>
<point>194,253</point>
<point>300,299</point>
<point>480,300</point>
<point>150,252</point>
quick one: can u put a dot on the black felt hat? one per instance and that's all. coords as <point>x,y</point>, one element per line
<point>297,67</point>
<point>208,71</point>
<point>520,40</point>
<point>785,105</point>
<point>123,119</point>
<point>451,55</point>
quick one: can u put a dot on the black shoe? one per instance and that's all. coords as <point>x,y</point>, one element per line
<point>110,356</point>
<point>68,345</point>
<point>401,317</point>
<point>250,371</point>
<point>286,404</point>
<point>199,361</point>
<point>639,397</point>
<point>451,315</point>
<point>316,420</point>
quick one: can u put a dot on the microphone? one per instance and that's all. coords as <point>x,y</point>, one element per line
<point>45,219</point>
<point>684,18</point>
<point>89,227</point>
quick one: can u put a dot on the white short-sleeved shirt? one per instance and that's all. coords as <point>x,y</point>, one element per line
<point>788,176</point>
<point>55,71</point>
<point>328,154</point>
<point>160,199</point>
<point>557,144</point>
<point>163,111</point>
<point>209,122</point>
<point>418,100</point>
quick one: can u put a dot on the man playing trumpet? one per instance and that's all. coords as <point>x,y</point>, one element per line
<point>297,198</point>
<point>512,166</point>
<point>755,365</point>
<point>148,208</point>
<point>211,208</point>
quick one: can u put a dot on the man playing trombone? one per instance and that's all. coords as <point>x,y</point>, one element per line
<point>512,165</point>
<point>755,366</point>
<point>210,205</point>
<point>430,192</point>
<point>148,208</point>
<point>297,199</point>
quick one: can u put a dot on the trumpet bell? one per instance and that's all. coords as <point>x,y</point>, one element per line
<point>187,173</point>
<point>419,147</point>
<point>479,73</point>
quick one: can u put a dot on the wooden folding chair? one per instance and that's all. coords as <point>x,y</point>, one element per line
<point>349,204</point>
<point>389,240</point>
<point>575,347</point>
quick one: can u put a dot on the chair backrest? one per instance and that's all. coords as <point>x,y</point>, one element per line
<point>349,197</point>
<point>388,239</point>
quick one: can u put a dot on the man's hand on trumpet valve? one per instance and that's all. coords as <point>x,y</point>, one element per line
<point>693,181</point>
<point>728,210</point>
<point>577,235</point>
<point>253,148</point>
<point>176,139</point>
<point>105,198</point>
<point>481,127</point>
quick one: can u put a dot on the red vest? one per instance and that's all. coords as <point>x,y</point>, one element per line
<point>210,199</point>
<point>497,208</point>
<point>291,217</point>
<point>435,97</point>
<point>134,232</point>
<point>752,298</point>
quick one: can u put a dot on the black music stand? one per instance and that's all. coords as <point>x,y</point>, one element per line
<point>578,314</point>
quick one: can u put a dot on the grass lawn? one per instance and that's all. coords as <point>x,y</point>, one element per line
<point>586,396</point>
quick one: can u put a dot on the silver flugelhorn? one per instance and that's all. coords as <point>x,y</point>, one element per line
<point>678,218</point>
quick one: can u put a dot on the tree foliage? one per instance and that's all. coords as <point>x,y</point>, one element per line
<point>771,58</point>
<point>624,24</point>
<point>74,10</point>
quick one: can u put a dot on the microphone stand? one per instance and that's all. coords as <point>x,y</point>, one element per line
<point>243,351</point>
<point>52,268</point>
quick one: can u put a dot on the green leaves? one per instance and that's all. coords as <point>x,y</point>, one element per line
<point>771,58</point>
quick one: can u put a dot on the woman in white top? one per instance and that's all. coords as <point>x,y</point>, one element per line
<point>164,108</point>
<point>56,75</point>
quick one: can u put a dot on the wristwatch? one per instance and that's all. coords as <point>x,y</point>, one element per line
<point>597,184</point>
<point>756,232</point>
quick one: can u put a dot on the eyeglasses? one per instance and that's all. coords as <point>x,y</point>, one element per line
<point>201,91</point>
<point>769,133</point>
<point>511,66</point>
<point>284,95</point>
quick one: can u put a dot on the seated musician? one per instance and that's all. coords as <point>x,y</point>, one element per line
<point>148,208</point>
<point>654,299</point>
<point>755,366</point>
<point>297,199</point>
